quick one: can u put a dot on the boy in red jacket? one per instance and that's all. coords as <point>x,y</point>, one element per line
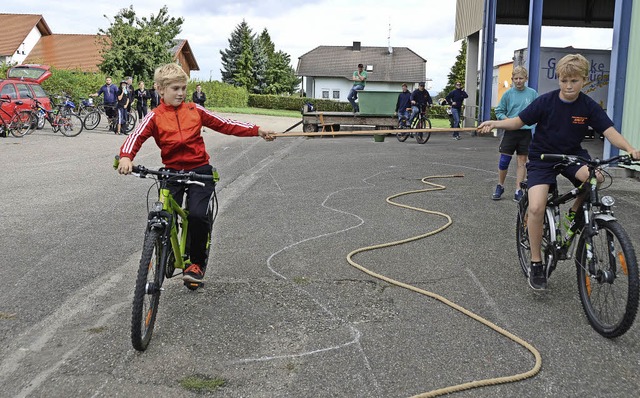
<point>176,126</point>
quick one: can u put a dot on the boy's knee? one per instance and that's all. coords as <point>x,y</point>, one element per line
<point>503,164</point>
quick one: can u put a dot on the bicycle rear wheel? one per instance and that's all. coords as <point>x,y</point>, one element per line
<point>92,120</point>
<point>423,137</point>
<point>146,296</point>
<point>71,125</point>
<point>22,123</point>
<point>523,246</point>
<point>522,235</point>
<point>610,296</point>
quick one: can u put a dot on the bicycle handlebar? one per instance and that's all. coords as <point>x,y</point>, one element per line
<point>573,159</point>
<point>189,175</point>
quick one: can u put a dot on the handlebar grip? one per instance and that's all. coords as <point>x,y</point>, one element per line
<point>548,157</point>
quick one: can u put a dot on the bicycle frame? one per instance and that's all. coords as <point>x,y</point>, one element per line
<point>171,209</point>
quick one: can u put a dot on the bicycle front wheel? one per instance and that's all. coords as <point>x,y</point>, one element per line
<point>71,125</point>
<point>131,122</point>
<point>146,296</point>
<point>423,137</point>
<point>609,296</point>
<point>22,123</point>
<point>92,120</point>
<point>402,137</point>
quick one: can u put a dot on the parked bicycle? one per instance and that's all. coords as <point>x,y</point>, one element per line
<point>606,265</point>
<point>421,121</point>
<point>92,118</point>
<point>166,246</point>
<point>68,124</point>
<point>18,123</point>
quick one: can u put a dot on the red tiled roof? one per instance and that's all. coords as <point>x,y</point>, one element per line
<point>14,28</point>
<point>67,51</point>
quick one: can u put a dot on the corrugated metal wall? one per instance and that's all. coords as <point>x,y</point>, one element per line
<point>631,113</point>
<point>469,18</point>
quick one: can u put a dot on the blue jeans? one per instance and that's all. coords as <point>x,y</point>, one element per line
<point>353,94</point>
<point>455,112</point>
<point>403,113</point>
<point>414,112</point>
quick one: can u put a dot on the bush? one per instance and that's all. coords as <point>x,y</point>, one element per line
<point>220,94</point>
<point>76,84</point>
<point>295,103</point>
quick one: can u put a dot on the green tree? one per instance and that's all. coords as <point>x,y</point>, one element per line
<point>136,46</point>
<point>252,62</point>
<point>458,71</point>
<point>244,65</point>
<point>281,78</point>
<point>237,55</point>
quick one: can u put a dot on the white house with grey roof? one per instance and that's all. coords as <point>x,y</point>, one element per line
<point>327,70</point>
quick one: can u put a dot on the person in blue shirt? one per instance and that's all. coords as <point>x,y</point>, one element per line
<point>563,118</point>
<point>109,97</point>
<point>512,102</point>
<point>420,100</point>
<point>403,106</point>
<point>455,99</point>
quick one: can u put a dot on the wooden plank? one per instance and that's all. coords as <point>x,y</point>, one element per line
<point>375,132</point>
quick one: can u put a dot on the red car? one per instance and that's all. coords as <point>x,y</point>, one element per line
<point>23,81</point>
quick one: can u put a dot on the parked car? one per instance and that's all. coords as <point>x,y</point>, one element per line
<point>23,82</point>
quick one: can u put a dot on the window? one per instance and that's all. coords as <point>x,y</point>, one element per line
<point>24,91</point>
<point>325,94</point>
<point>38,91</point>
<point>336,94</point>
<point>9,90</point>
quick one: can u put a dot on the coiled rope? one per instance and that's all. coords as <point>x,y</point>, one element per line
<point>463,386</point>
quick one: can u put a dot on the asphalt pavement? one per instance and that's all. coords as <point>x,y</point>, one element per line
<point>283,313</point>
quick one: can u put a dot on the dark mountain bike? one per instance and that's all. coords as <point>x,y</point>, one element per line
<point>421,121</point>
<point>606,265</point>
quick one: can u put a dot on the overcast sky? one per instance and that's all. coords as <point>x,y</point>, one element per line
<point>296,27</point>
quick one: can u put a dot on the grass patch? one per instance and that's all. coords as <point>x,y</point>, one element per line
<point>6,315</point>
<point>301,280</point>
<point>201,383</point>
<point>97,330</point>
<point>258,111</point>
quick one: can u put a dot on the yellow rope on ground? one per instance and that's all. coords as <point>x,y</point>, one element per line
<point>475,383</point>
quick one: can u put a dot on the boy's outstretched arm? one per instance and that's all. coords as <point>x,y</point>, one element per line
<point>620,142</point>
<point>267,135</point>
<point>514,123</point>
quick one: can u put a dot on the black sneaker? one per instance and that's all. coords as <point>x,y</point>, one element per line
<point>193,273</point>
<point>537,277</point>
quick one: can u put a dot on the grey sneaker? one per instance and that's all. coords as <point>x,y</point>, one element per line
<point>537,277</point>
<point>497,195</point>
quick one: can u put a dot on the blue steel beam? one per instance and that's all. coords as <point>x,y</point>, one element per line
<point>488,39</point>
<point>535,33</point>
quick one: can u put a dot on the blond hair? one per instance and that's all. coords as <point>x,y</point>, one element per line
<point>169,73</point>
<point>573,65</point>
<point>520,70</point>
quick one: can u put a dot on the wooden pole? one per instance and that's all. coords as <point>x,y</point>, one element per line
<point>375,132</point>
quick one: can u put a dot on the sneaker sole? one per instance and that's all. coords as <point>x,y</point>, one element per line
<point>536,288</point>
<point>189,278</point>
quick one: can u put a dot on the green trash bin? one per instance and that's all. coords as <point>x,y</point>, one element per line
<point>377,102</point>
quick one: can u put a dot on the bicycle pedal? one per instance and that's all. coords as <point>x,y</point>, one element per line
<point>193,285</point>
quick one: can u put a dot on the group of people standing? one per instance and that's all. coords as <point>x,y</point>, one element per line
<point>118,100</point>
<point>409,104</point>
